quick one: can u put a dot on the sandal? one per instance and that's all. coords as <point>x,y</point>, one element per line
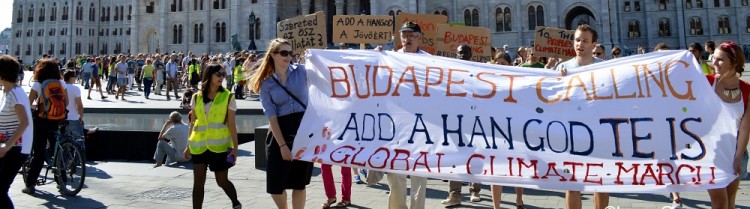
<point>328,203</point>
<point>343,204</point>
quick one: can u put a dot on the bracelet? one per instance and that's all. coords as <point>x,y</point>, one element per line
<point>280,146</point>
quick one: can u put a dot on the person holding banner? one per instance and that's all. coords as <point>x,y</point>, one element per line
<point>283,94</point>
<point>728,61</point>
<point>583,43</point>
<point>697,51</point>
<point>411,36</point>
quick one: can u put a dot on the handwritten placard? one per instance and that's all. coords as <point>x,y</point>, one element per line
<point>428,23</point>
<point>362,29</point>
<point>449,37</point>
<point>304,32</point>
<point>553,42</point>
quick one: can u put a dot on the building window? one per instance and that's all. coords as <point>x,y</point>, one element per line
<point>698,3</point>
<point>130,11</point>
<point>637,6</point>
<point>221,32</point>
<point>688,4</point>
<point>717,3</point>
<point>502,19</point>
<point>53,13</point>
<point>79,13</point>
<point>662,5</point>
<point>31,14</point>
<point>42,13</point>
<point>180,6</point>
<point>92,13</point>
<point>726,3</point>
<point>174,34</point>
<point>19,17</point>
<point>441,12</point>
<point>724,27</point>
<point>471,17</point>
<point>150,7</point>
<point>220,4</point>
<point>664,28</point>
<point>257,28</point>
<point>744,2</point>
<point>173,6</point>
<point>747,24</point>
<point>696,27</point>
<point>253,1</point>
<point>634,29</point>
<point>627,6</point>
<point>117,13</point>
<point>40,49</point>
<point>536,16</point>
<point>198,33</point>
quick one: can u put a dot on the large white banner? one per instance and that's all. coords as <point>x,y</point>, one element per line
<point>646,123</point>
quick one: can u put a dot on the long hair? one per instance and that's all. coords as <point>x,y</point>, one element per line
<point>267,66</point>
<point>47,69</point>
<point>206,79</point>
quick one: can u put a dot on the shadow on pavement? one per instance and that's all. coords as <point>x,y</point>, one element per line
<point>94,172</point>
<point>59,201</point>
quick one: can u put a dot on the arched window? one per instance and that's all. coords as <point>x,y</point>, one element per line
<point>688,4</point>
<point>200,30</point>
<point>532,18</point>
<point>662,5</point>
<point>744,2</point>
<point>441,12</point>
<point>42,13</point>
<point>179,34</point>
<point>217,33</point>
<point>747,24</point>
<point>109,13</point>
<point>664,27</point>
<point>391,13</point>
<point>195,33</point>
<point>698,3</point>
<point>117,14</point>
<point>65,12</point>
<point>471,17</point>
<point>19,17</point>
<point>174,34</point>
<point>130,11</point>
<point>92,13</point>
<point>726,3</point>
<point>539,15</point>
<point>536,16</point>
<point>223,32</point>
<point>31,14</point>
<point>717,3</point>
<point>502,19</point>
<point>634,29</point>
<point>724,26</point>
<point>696,27</point>
<point>103,14</point>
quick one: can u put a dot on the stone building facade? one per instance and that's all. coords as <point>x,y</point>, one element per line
<point>66,28</point>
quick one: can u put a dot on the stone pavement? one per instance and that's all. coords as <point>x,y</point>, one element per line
<point>138,185</point>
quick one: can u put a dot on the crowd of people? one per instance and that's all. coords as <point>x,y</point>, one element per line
<point>212,84</point>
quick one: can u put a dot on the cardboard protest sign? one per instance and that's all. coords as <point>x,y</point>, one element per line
<point>554,42</point>
<point>362,29</point>
<point>304,32</point>
<point>449,37</point>
<point>603,128</point>
<point>427,22</point>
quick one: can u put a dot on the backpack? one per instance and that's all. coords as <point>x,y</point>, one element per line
<point>51,101</point>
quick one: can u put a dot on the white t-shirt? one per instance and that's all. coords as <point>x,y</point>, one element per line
<point>10,121</point>
<point>73,92</point>
<point>121,69</point>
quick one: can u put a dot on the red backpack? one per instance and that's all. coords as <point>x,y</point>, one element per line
<point>51,101</point>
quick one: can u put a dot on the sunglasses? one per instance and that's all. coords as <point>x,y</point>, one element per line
<point>220,74</point>
<point>284,53</point>
<point>598,53</point>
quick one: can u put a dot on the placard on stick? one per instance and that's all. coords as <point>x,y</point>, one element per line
<point>427,22</point>
<point>304,32</point>
<point>554,42</point>
<point>449,37</point>
<point>362,29</point>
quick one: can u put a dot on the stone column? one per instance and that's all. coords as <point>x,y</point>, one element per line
<point>134,29</point>
<point>304,7</point>
<point>166,30</point>
<point>234,12</point>
<point>339,7</point>
<point>352,7</point>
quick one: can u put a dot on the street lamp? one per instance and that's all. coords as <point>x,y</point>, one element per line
<point>252,46</point>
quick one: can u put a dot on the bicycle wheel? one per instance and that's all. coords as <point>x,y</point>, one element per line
<point>25,167</point>
<point>71,169</point>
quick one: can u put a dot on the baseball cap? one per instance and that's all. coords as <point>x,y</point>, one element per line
<point>410,26</point>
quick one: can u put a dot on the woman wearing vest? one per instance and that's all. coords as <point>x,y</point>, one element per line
<point>728,61</point>
<point>194,71</point>
<point>147,74</point>
<point>15,117</point>
<point>239,79</point>
<point>213,135</point>
<point>283,94</point>
<point>51,100</point>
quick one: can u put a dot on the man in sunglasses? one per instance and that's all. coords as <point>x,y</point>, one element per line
<point>599,51</point>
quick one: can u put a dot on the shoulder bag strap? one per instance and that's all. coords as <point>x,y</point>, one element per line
<point>290,93</point>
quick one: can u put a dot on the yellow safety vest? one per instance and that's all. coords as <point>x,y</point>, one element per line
<point>191,69</point>
<point>210,133</point>
<point>239,74</point>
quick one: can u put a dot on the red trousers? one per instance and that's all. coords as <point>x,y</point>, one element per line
<point>346,182</point>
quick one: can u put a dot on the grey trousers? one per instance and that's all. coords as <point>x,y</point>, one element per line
<point>163,149</point>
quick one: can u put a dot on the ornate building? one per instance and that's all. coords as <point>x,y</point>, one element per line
<point>66,28</point>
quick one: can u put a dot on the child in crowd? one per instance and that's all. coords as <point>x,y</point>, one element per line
<point>186,97</point>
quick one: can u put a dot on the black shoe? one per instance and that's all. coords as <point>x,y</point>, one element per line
<point>88,98</point>
<point>29,190</point>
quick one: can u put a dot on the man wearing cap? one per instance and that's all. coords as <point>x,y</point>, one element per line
<point>411,36</point>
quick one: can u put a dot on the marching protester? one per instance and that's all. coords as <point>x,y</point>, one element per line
<point>697,51</point>
<point>463,52</point>
<point>212,143</point>
<point>172,77</point>
<point>15,117</point>
<point>148,72</point>
<point>283,90</point>
<point>122,78</point>
<point>48,90</point>
<point>616,52</point>
<point>532,60</point>
<point>599,51</point>
<point>95,80</point>
<point>584,42</point>
<point>710,46</point>
<point>521,56</point>
<point>729,63</point>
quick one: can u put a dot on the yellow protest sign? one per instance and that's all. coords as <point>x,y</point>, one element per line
<point>304,32</point>
<point>554,42</point>
<point>362,29</point>
<point>449,37</point>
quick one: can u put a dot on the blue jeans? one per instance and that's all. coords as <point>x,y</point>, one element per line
<point>86,79</point>
<point>111,83</point>
<point>147,86</point>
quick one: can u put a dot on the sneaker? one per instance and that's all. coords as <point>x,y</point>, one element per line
<point>29,190</point>
<point>358,180</point>
<point>475,197</point>
<point>677,205</point>
<point>451,201</point>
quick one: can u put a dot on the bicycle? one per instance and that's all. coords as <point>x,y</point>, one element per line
<point>68,164</point>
